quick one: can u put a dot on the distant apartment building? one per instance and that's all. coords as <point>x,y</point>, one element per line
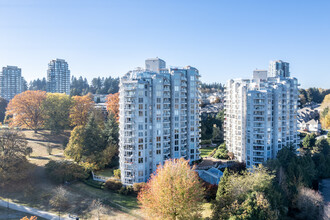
<point>159,118</point>
<point>261,114</point>
<point>11,82</point>
<point>58,77</point>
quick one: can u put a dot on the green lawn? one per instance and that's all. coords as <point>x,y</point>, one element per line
<point>106,172</point>
<point>113,199</point>
<point>10,214</point>
<point>205,151</point>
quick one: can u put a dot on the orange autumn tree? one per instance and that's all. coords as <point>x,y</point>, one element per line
<point>80,109</point>
<point>26,110</point>
<point>174,192</point>
<point>113,104</point>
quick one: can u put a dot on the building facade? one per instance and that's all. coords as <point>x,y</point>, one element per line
<point>261,116</point>
<point>11,82</point>
<point>58,77</point>
<point>158,119</point>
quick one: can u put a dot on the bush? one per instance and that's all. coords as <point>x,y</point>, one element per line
<point>62,171</point>
<point>137,187</point>
<point>117,173</point>
<point>221,152</point>
<point>126,190</point>
<point>93,183</point>
<point>113,184</point>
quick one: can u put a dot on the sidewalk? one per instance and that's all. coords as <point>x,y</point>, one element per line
<point>31,211</point>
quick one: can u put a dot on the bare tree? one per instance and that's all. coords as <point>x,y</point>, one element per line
<point>60,200</point>
<point>310,203</point>
<point>97,207</point>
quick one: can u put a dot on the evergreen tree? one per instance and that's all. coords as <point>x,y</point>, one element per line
<point>111,130</point>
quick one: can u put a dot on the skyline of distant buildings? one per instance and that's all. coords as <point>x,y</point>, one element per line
<point>159,118</point>
<point>261,114</point>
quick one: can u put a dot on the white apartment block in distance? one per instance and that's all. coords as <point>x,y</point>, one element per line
<point>261,114</point>
<point>11,82</point>
<point>158,118</point>
<point>58,77</point>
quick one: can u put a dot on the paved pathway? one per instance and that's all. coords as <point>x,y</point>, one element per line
<point>32,211</point>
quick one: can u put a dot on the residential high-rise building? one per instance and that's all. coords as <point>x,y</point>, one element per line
<point>158,119</point>
<point>155,64</point>
<point>58,77</point>
<point>279,68</point>
<point>11,82</point>
<point>261,115</point>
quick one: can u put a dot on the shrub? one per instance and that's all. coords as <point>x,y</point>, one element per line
<point>62,171</point>
<point>137,187</point>
<point>126,190</point>
<point>113,184</point>
<point>93,183</point>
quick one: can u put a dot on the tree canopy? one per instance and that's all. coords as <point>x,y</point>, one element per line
<point>14,166</point>
<point>26,109</point>
<point>81,107</point>
<point>56,111</point>
<point>174,192</point>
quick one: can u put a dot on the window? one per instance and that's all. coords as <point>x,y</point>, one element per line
<point>140,173</point>
<point>140,100</point>
<point>158,151</point>
<point>157,138</point>
<point>140,140</point>
<point>176,148</point>
<point>140,146</point>
<point>141,160</point>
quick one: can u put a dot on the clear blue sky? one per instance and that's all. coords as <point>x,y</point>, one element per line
<point>222,38</point>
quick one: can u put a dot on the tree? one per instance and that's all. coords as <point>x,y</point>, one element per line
<point>117,173</point>
<point>111,131</point>
<point>310,204</point>
<point>90,145</point>
<point>322,146</point>
<point>38,84</point>
<point>113,104</point>
<point>79,86</point>
<point>174,192</point>
<point>250,195</point>
<point>3,106</point>
<point>309,141</point>
<point>14,166</point>
<point>74,149</point>
<point>221,152</point>
<point>62,171</point>
<point>26,109</point>
<point>98,208</point>
<point>60,199</point>
<point>56,111</point>
<point>80,109</point>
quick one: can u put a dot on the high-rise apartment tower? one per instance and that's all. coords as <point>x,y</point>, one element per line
<point>11,82</point>
<point>159,118</point>
<point>58,77</point>
<point>261,114</point>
